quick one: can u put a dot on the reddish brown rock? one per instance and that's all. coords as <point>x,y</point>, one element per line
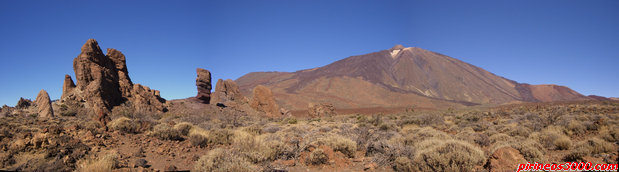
<point>505,159</point>
<point>146,100</point>
<point>226,91</point>
<point>103,82</point>
<point>264,101</point>
<point>120,63</point>
<point>67,87</point>
<point>321,109</point>
<point>44,105</point>
<point>203,82</point>
<point>23,103</point>
<point>97,77</point>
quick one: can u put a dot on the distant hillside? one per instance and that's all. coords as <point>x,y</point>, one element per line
<point>400,77</point>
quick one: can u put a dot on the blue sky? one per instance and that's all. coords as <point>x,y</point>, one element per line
<point>571,43</point>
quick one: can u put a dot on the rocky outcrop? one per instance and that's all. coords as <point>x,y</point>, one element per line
<point>146,100</point>
<point>264,101</point>
<point>505,159</point>
<point>23,103</point>
<point>124,82</point>
<point>103,82</point>
<point>227,92</point>
<point>203,82</point>
<point>96,77</point>
<point>67,87</point>
<point>44,105</point>
<point>321,109</point>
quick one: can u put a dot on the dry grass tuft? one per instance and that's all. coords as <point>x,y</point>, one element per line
<point>222,160</point>
<point>183,128</point>
<point>166,132</point>
<point>105,163</point>
<point>123,124</point>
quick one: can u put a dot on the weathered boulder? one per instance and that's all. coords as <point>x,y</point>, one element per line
<point>23,103</point>
<point>225,91</point>
<point>264,101</point>
<point>321,109</point>
<point>505,159</point>
<point>103,82</point>
<point>203,82</point>
<point>44,105</point>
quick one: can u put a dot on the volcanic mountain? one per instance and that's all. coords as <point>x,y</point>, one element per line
<point>400,77</point>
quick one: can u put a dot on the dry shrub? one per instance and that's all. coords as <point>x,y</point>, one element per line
<point>341,144</point>
<point>576,128</point>
<point>183,128</point>
<point>499,137</point>
<point>403,164</point>
<point>224,160</point>
<point>581,150</point>
<point>415,135</point>
<point>430,120</point>
<point>530,149</point>
<point>450,155</point>
<point>166,132</point>
<point>318,156</point>
<point>254,148</point>
<point>220,136</point>
<point>198,137</point>
<point>123,124</point>
<point>563,143</point>
<point>548,136</point>
<point>598,146</point>
<point>608,133</point>
<point>105,163</point>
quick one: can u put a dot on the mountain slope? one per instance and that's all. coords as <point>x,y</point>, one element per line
<point>400,77</point>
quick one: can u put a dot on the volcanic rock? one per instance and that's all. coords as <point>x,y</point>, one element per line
<point>44,105</point>
<point>226,90</point>
<point>264,101</point>
<point>67,87</point>
<point>321,109</point>
<point>203,82</point>
<point>505,159</point>
<point>121,69</point>
<point>23,103</point>
<point>103,82</point>
<point>97,77</point>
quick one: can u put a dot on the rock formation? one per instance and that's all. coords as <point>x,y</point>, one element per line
<point>226,92</point>
<point>321,109</point>
<point>44,105</point>
<point>103,82</point>
<point>203,82</point>
<point>264,101</point>
<point>67,87</point>
<point>23,103</point>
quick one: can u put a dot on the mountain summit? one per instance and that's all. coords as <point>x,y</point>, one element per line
<point>398,77</point>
